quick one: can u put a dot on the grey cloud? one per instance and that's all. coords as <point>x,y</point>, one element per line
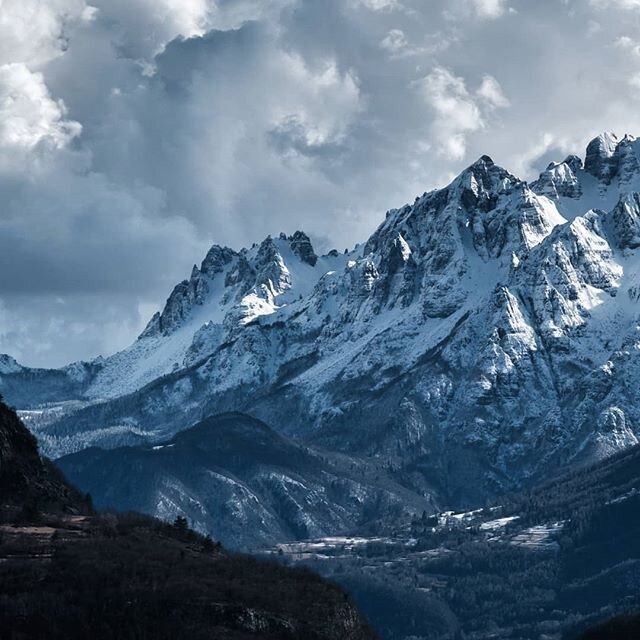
<point>223,121</point>
<point>53,329</point>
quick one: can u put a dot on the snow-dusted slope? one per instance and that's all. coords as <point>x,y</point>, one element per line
<point>243,484</point>
<point>229,290</point>
<point>481,334</point>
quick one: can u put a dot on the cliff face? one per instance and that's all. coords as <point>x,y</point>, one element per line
<point>68,573</point>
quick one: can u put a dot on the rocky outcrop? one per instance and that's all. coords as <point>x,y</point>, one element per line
<point>626,221</point>
<point>302,247</point>
<point>28,481</point>
<point>601,160</point>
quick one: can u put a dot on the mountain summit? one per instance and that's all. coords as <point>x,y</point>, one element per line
<point>482,336</point>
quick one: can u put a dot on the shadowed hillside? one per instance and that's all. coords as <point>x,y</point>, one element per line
<point>66,572</point>
<point>243,483</point>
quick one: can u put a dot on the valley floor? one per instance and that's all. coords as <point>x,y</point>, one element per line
<point>516,571</point>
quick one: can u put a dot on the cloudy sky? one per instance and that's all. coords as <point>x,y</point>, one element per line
<point>135,133</point>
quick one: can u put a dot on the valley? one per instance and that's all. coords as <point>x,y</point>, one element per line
<point>548,563</point>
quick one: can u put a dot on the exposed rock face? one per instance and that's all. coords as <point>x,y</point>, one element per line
<point>626,221</point>
<point>301,246</point>
<point>601,159</point>
<point>475,338</point>
<point>560,180</point>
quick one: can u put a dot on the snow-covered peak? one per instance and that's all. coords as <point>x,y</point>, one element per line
<point>611,170</point>
<point>491,314</point>
<point>225,278</point>
<point>560,179</point>
<point>600,157</point>
<point>229,291</point>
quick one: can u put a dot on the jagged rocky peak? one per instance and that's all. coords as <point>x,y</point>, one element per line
<point>481,184</point>
<point>180,303</point>
<point>176,309</point>
<point>560,179</point>
<point>502,212</point>
<point>476,190</point>
<point>628,164</point>
<point>626,221</point>
<point>600,160</point>
<point>612,162</point>
<point>216,259</point>
<point>302,247</point>
<point>264,270</point>
<point>485,208</point>
<point>191,292</point>
<point>272,270</point>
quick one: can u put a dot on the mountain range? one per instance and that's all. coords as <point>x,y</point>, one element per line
<point>482,338</point>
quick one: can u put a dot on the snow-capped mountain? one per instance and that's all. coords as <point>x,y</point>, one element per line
<point>482,335</point>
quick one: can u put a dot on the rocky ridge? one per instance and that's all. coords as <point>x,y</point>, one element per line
<point>483,335</point>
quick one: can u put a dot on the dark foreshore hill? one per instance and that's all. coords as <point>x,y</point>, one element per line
<point>69,572</point>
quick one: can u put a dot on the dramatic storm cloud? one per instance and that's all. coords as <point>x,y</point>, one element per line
<point>133,134</point>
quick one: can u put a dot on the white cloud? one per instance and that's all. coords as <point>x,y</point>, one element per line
<point>456,111</point>
<point>146,26</point>
<point>634,81</point>
<point>263,121</point>
<point>398,45</point>
<point>29,118</point>
<point>626,44</point>
<point>456,10</point>
<point>489,8</point>
<point>378,5</point>
<point>395,41</point>
<point>491,92</point>
<point>35,31</point>
<point>325,103</point>
<point>620,4</point>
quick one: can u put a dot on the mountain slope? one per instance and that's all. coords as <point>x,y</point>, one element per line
<point>469,342</point>
<point>243,484</point>
<point>66,572</point>
<point>546,563</point>
<point>28,482</point>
